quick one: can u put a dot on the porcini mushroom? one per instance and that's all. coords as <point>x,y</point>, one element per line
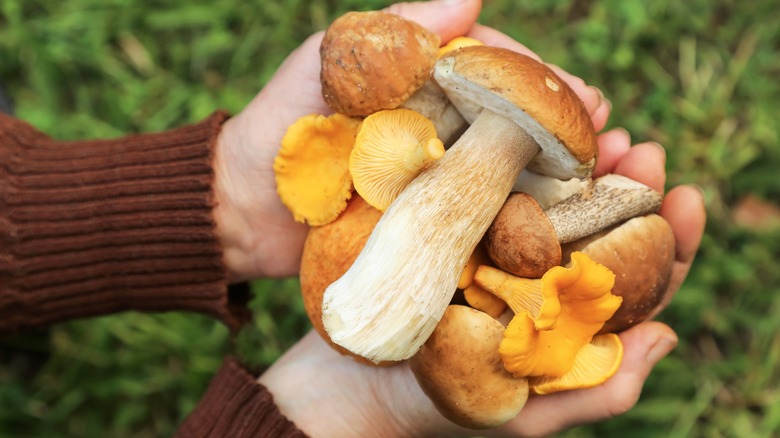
<point>460,370</point>
<point>391,148</point>
<point>641,253</point>
<point>373,61</point>
<point>312,167</point>
<point>390,300</point>
<point>525,240</point>
<point>583,293</point>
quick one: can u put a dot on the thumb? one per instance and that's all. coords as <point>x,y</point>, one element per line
<point>448,18</point>
<point>644,345</point>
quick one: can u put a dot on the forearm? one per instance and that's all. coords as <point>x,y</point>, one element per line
<point>96,227</point>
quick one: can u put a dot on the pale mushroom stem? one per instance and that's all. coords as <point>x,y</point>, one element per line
<point>611,199</point>
<point>390,300</point>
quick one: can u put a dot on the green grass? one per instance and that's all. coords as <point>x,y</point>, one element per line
<point>698,76</point>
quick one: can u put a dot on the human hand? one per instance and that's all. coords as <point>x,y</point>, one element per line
<point>327,394</point>
<point>259,236</point>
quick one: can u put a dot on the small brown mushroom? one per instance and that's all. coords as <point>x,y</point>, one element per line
<point>641,253</point>
<point>525,240</point>
<point>460,370</point>
<point>373,61</point>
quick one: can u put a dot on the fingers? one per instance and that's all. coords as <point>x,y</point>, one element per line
<point>644,163</point>
<point>644,345</point>
<point>684,209</point>
<point>613,146</point>
<point>447,18</point>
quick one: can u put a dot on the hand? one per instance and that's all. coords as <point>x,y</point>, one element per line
<point>259,236</point>
<point>327,394</point>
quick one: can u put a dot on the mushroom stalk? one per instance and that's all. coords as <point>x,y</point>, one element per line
<point>526,241</point>
<point>390,300</point>
<point>611,199</point>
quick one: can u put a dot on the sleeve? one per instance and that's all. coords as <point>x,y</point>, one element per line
<point>95,227</point>
<point>236,406</point>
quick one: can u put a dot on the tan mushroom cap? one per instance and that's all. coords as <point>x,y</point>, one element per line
<point>460,370</point>
<point>521,240</point>
<point>641,253</point>
<point>531,94</point>
<point>373,61</point>
<point>328,252</point>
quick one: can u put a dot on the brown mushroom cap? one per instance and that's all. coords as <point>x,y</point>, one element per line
<point>641,253</point>
<point>531,94</point>
<point>460,370</point>
<point>373,61</point>
<point>328,252</point>
<point>521,240</point>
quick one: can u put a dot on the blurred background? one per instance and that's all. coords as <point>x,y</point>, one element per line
<point>698,76</point>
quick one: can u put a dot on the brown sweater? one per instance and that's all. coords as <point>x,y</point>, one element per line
<point>95,227</point>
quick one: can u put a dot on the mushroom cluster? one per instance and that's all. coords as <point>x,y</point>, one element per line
<point>455,222</point>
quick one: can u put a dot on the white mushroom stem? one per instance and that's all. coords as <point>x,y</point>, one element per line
<point>431,101</point>
<point>388,303</point>
<point>609,200</point>
<point>546,190</point>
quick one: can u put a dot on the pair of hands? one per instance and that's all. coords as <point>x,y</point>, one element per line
<point>327,394</point>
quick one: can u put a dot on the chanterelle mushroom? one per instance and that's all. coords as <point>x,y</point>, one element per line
<point>391,148</point>
<point>389,302</point>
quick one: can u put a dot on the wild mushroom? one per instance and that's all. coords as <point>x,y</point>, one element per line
<point>390,300</point>
<point>548,191</point>
<point>312,167</point>
<point>535,346</point>
<point>373,61</point>
<point>391,148</point>
<point>525,240</point>
<point>593,365</point>
<point>460,370</point>
<point>641,253</point>
<point>328,252</point>
<point>474,294</point>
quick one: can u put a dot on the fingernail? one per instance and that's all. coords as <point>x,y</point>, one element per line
<point>602,97</point>
<point>452,2</point>
<point>660,349</point>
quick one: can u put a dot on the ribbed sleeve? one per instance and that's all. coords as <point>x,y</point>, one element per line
<point>95,227</point>
<point>236,406</point>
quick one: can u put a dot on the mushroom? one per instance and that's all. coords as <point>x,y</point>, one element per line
<point>390,300</point>
<point>548,191</point>
<point>474,295</point>
<point>373,61</point>
<point>312,167</point>
<point>533,345</point>
<point>593,365</point>
<point>328,252</point>
<point>391,148</point>
<point>460,370</point>
<point>525,240</point>
<point>641,253</point>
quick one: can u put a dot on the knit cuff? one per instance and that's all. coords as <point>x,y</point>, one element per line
<point>236,406</point>
<point>95,227</point>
